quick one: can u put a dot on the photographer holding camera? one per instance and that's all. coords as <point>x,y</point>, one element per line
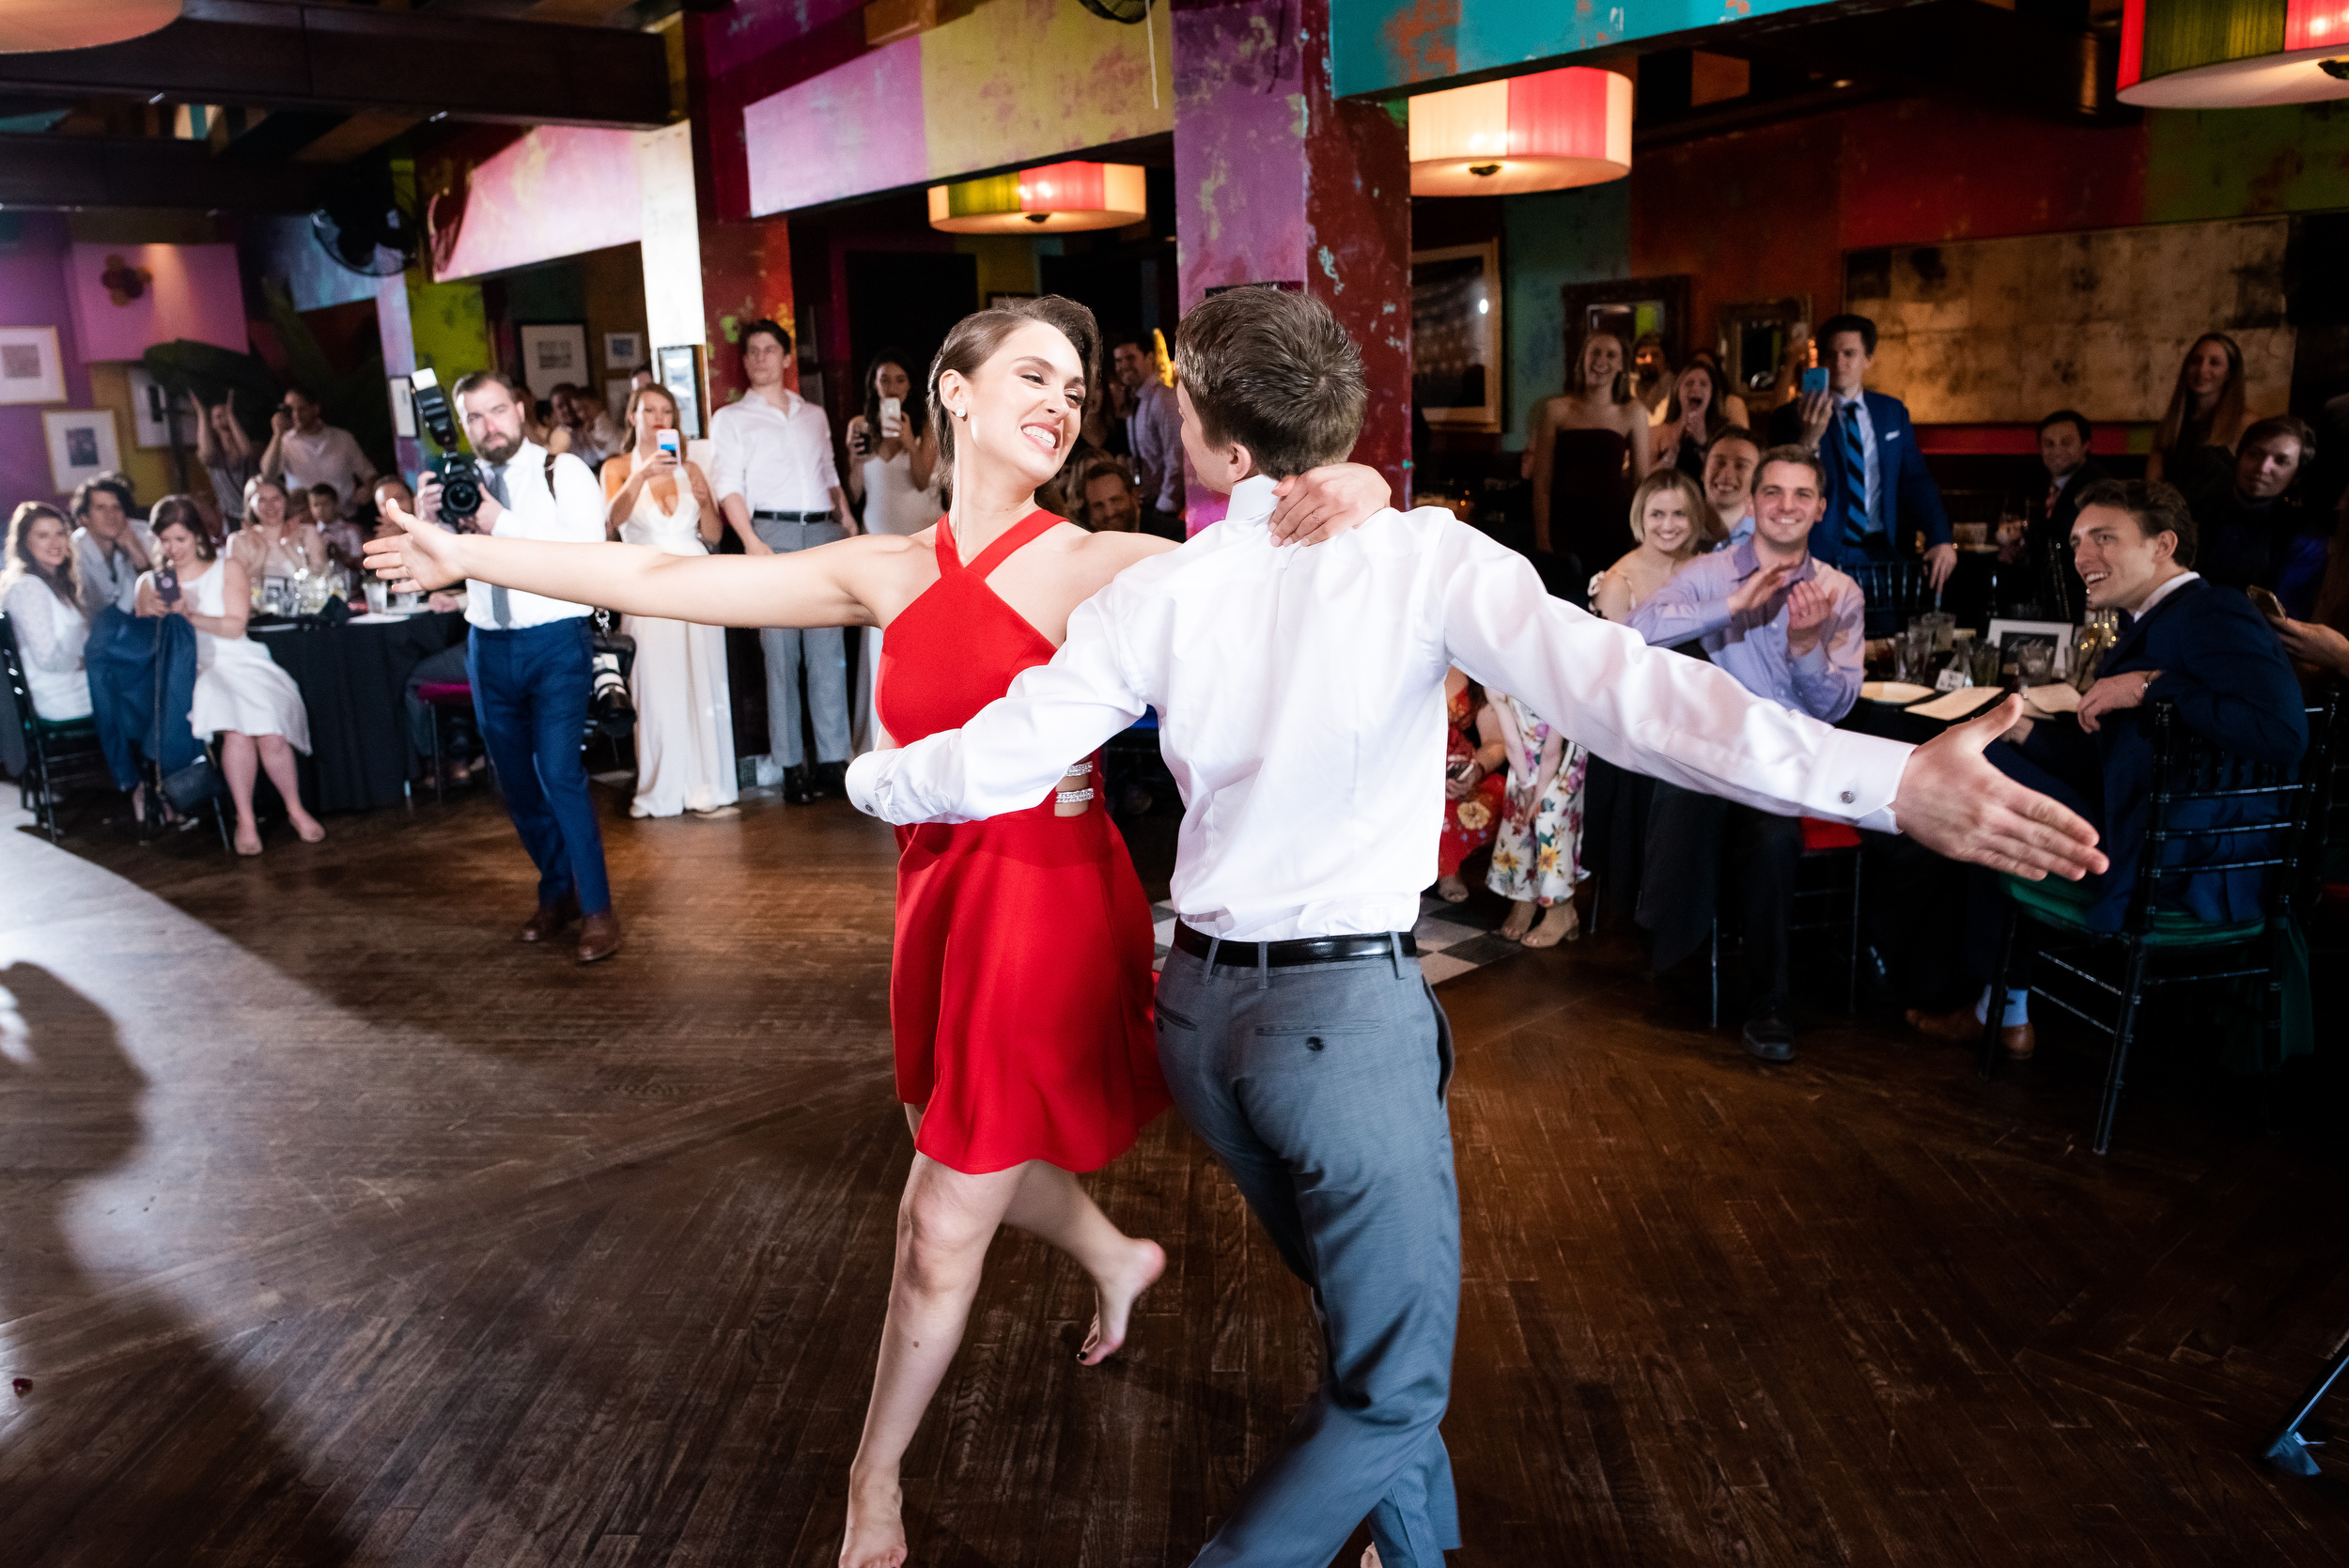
<point>529,657</point>
<point>305,450</point>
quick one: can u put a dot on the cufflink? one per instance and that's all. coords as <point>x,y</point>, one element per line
<point>1846,797</point>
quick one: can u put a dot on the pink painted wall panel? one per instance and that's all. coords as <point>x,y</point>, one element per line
<point>558,192</point>
<point>855,129</point>
<point>194,292</point>
<point>1239,151</point>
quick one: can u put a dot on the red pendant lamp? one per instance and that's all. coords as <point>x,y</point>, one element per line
<point>2232,54</point>
<point>1057,198</point>
<point>1541,132</point>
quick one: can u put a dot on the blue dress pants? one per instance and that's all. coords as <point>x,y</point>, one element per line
<point>530,690</point>
<point>1321,1089</point>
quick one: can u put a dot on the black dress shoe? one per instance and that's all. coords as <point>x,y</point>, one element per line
<point>795,786</point>
<point>1769,1036</point>
<point>828,780</point>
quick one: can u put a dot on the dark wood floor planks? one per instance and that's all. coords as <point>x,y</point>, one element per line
<point>337,1228</point>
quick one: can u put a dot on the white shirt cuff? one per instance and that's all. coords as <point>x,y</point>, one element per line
<point>1857,780</point>
<point>868,782</point>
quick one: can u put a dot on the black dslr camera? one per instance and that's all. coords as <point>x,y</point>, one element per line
<point>460,473</point>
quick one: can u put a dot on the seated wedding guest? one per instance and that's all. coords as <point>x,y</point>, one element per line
<point>2072,473</point>
<point>345,544</point>
<point>684,709</point>
<point>2186,642</point>
<point>1585,450</point>
<point>227,455</point>
<point>391,487</point>
<point>1673,521</point>
<point>110,547</point>
<point>2311,612</point>
<point>1536,847</point>
<point>1788,627</point>
<point>276,541</point>
<point>1475,779</point>
<point>1728,465</point>
<point>44,602</point>
<point>305,450</point>
<point>1697,413</point>
<point>241,694</point>
<point>2195,443</point>
<point>1111,503</point>
<point>2248,524</point>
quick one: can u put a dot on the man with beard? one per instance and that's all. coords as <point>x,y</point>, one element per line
<point>530,662</point>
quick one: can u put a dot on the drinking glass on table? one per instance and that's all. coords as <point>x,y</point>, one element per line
<point>2032,661</point>
<point>379,596</point>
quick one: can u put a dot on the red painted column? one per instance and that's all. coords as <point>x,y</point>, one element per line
<point>1279,182</point>
<point>746,277</point>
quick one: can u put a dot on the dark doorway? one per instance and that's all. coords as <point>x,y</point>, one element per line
<point>906,300</point>
<point>1112,282</point>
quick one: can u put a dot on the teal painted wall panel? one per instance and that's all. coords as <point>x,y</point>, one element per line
<point>1405,46</point>
<point>1548,242</point>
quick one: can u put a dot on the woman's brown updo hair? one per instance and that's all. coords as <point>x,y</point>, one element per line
<point>977,335</point>
<point>178,511</point>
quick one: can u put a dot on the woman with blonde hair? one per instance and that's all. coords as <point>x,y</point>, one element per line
<point>1674,524</point>
<point>2206,417</point>
<point>1581,450</point>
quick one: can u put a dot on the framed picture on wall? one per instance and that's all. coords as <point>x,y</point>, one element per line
<point>1760,342</point>
<point>157,416</point>
<point>1455,335</point>
<point>403,396</point>
<point>30,368</point>
<point>553,352</point>
<point>82,445</point>
<point>615,391</point>
<point>623,350</point>
<point>679,369</point>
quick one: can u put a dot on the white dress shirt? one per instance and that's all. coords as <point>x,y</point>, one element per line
<point>1301,707</point>
<point>572,513</point>
<point>110,577</point>
<point>331,456</point>
<point>777,460</point>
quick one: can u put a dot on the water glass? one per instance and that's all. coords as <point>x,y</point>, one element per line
<point>1942,624</point>
<point>1986,664</point>
<point>1913,652</point>
<point>2032,661</point>
<point>378,595</point>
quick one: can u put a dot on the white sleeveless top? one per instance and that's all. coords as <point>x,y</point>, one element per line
<point>677,532</point>
<point>893,502</point>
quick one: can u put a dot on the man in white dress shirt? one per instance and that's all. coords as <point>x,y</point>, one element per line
<point>530,662</point>
<point>305,450</point>
<point>1300,698</point>
<point>780,491</point>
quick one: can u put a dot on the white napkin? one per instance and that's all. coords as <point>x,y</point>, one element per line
<point>1961,704</point>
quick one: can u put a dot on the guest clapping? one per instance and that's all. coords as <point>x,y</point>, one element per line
<point>240,694</point>
<point>1673,521</point>
<point>42,601</point>
<point>227,455</point>
<point>2195,443</point>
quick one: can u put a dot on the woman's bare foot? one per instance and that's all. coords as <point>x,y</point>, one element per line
<point>1113,1301</point>
<point>1520,920</point>
<point>877,1530</point>
<point>309,828</point>
<point>1452,890</point>
<point>1559,924</point>
<point>248,839</point>
<point>138,806</point>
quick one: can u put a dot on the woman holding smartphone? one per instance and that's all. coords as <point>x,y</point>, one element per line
<point>893,474</point>
<point>684,711</point>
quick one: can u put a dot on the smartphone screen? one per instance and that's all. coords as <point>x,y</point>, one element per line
<point>667,440</point>
<point>2265,602</point>
<point>892,412</point>
<point>1813,380</point>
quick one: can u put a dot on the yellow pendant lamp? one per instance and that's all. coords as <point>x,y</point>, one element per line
<point>1057,198</point>
<point>1540,132</point>
<point>2232,54</point>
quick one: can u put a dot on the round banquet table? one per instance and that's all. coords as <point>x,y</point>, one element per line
<point>354,682</point>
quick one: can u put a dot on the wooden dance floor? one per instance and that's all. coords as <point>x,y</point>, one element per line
<point>337,1227</point>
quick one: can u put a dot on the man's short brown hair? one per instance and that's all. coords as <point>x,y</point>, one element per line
<point>2155,508</point>
<point>2290,425</point>
<point>1790,453</point>
<point>1273,371</point>
<point>467,385</point>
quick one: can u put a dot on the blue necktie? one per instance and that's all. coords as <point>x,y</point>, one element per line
<point>1856,524</point>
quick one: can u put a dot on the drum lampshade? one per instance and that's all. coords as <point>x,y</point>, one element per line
<point>1540,132</point>
<point>1057,198</point>
<point>2232,54</point>
<point>38,26</point>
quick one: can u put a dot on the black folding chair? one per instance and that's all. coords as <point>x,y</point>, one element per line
<point>2111,972</point>
<point>1895,592</point>
<point>58,752</point>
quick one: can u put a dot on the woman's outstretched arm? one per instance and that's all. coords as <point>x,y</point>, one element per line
<point>830,585</point>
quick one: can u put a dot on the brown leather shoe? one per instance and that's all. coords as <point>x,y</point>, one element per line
<point>1961,1027</point>
<point>550,921</point>
<point>598,937</point>
<point>2020,1040</point>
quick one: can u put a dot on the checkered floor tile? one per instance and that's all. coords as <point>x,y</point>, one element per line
<point>1449,942</point>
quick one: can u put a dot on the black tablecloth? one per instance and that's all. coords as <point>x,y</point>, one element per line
<point>354,682</point>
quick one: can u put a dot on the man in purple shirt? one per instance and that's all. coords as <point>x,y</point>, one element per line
<point>1787,627</point>
<point>1154,434</point>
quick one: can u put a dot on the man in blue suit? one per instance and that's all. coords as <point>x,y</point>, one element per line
<point>1877,488</point>
<point>2186,641</point>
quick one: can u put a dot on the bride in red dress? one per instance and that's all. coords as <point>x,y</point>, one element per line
<point>1021,990</point>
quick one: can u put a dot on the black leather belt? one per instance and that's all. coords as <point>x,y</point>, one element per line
<point>1301,950</point>
<point>824,516</point>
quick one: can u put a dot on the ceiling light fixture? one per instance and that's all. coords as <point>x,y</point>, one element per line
<point>1057,198</point>
<point>36,27</point>
<point>2232,54</point>
<point>1541,132</point>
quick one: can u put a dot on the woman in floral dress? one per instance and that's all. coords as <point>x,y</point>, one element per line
<point>1473,781</point>
<point>1538,842</point>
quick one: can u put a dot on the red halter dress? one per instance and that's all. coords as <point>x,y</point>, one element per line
<point>1020,994</point>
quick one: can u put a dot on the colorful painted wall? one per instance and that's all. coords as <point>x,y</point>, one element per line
<point>1012,81</point>
<point>33,247</point>
<point>1387,47</point>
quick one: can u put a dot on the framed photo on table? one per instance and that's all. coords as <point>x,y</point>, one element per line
<point>1455,335</point>
<point>2010,637</point>
<point>82,445</point>
<point>30,368</point>
<point>554,353</point>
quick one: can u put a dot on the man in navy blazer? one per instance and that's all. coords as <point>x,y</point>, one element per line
<point>2184,641</point>
<point>1878,490</point>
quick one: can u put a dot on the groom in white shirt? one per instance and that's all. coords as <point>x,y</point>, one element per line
<point>1299,695</point>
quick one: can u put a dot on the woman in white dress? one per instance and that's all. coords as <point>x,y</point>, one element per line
<point>276,539</point>
<point>684,714</point>
<point>42,597</point>
<point>240,694</point>
<point>893,474</point>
